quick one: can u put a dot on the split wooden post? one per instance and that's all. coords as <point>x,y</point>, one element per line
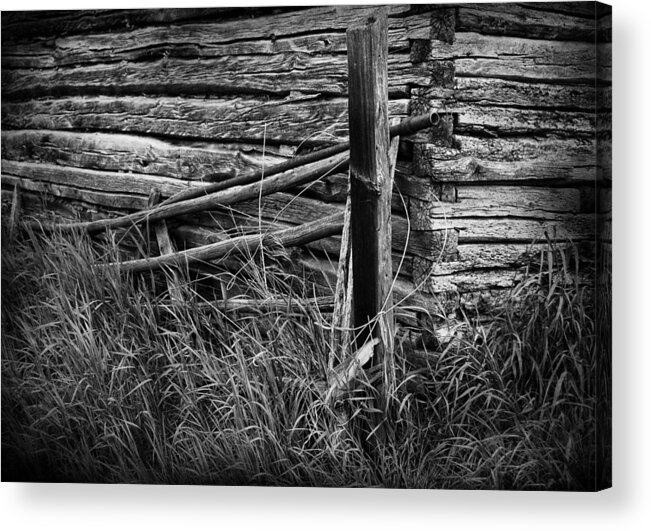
<point>370,184</point>
<point>14,215</point>
<point>166,247</point>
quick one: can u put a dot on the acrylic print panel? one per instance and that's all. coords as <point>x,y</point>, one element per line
<point>203,283</point>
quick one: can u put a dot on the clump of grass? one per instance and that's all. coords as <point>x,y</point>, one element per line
<point>106,378</point>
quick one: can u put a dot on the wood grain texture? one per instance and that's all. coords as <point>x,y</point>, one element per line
<point>477,55</point>
<point>25,24</point>
<point>563,161</point>
<point>498,201</point>
<point>535,95</point>
<point>291,120</point>
<point>370,183</point>
<point>305,31</point>
<point>278,74</point>
<point>138,154</point>
<point>519,20</point>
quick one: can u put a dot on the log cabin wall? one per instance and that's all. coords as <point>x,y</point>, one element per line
<point>101,107</point>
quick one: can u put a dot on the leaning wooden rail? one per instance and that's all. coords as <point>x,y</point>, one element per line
<point>411,125</point>
<point>236,194</point>
<point>294,172</point>
<point>290,237</point>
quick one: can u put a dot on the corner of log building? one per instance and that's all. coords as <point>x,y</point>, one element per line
<point>99,109</point>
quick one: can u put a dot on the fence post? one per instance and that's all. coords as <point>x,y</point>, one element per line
<point>370,184</point>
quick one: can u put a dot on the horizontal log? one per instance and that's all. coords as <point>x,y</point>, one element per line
<point>89,198</point>
<point>468,281</point>
<point>517,20</point>
<point>589,10</point>
<point>278,33</point>
<point>580,151</point>
<point>494,121</point>
<point>532,160</point>
<point>239,118</point>
<point>477,55</point>
<point>138,154</point>
<point>93,180</point>
<point>499,256</point>
<point>24,24</point>
<point>278,74</point>
<point>294,236</point>
<point>498,201</point>
<point>574,227</point>
<point>507,93</point>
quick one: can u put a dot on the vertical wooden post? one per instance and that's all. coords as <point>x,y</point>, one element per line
<point>14,215</point>
<point>370,182</point>
<point>165,246</point>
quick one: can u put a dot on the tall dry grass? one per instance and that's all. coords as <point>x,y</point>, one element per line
<point>105,378</point>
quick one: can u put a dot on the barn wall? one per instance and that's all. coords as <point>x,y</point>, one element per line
<point>100,107</point>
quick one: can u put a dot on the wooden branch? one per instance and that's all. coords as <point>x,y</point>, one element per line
<point>323,304</point>
<point>290,237</point>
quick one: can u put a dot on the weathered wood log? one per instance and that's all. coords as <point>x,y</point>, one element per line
<point>279,74</point>
<point>294,236</point>
<point>277,22</point>
<point>533,160</point>
<point>567,227</point>
<point>267,35</point>
<point>94,180</point>
<point>23,24</point>
<point>517,20</point>
<point>498,201</point>
<point>498,121</point>
<point>137,154</point>
<point>111,201</point>
<point>588,10</point>
<point>501,92</point>
<point>293,120</point>
<point>477,55</point>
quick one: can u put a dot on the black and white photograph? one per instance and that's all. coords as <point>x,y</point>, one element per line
<point>336,246</point>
